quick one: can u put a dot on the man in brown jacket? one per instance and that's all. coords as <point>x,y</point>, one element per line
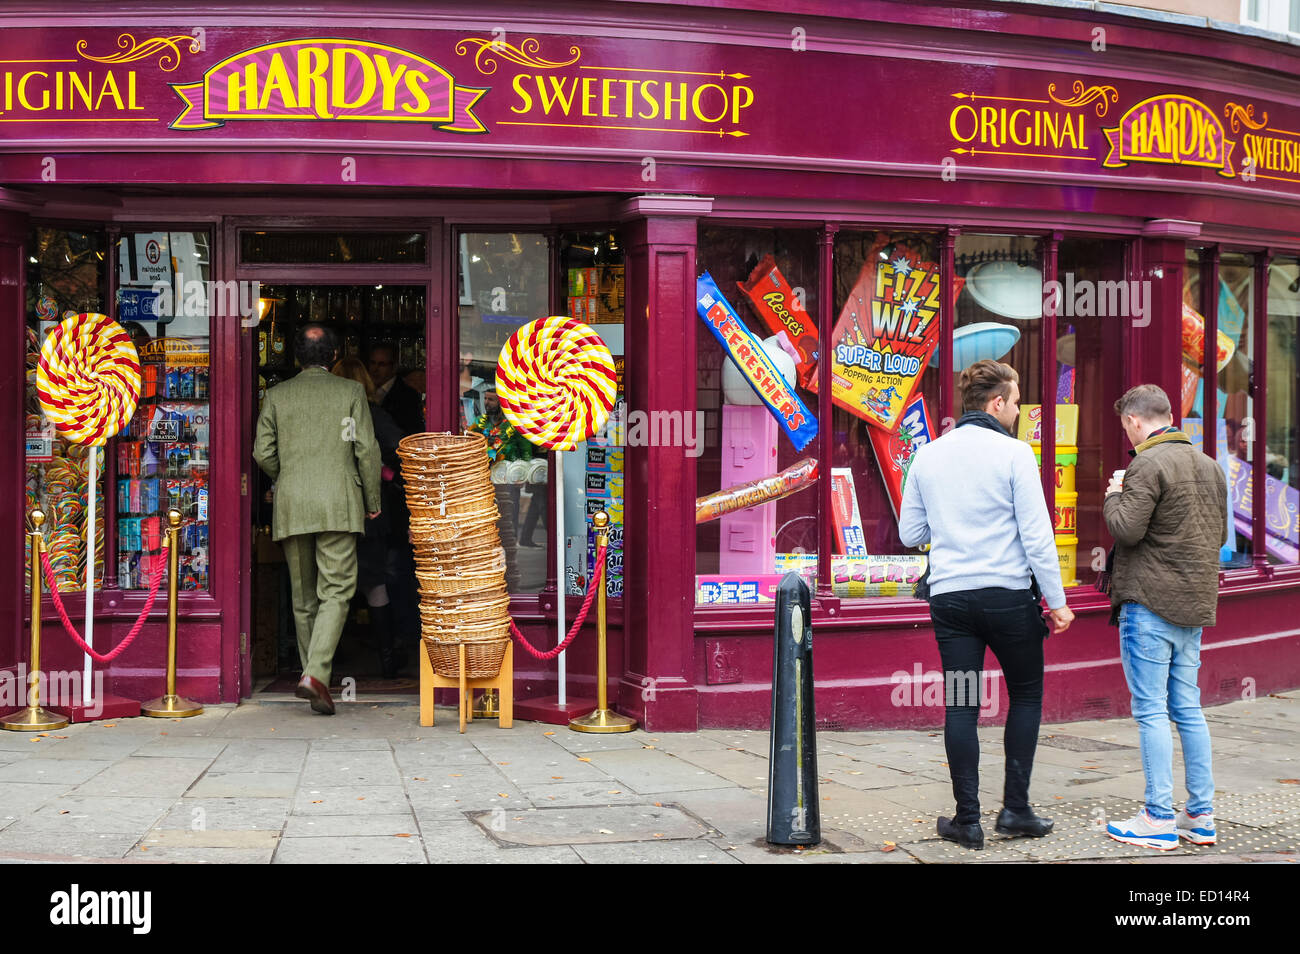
<point>1168,514</point>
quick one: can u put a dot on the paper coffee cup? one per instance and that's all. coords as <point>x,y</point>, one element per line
<point>1117,477</point>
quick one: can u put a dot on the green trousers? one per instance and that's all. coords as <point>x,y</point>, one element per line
<point>323,572</point>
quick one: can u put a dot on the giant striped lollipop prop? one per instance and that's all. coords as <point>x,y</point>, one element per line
<point>556,382</point>
<point>88,378</point>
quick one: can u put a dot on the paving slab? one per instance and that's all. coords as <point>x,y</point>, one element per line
<point>347,826</point>
<point>463,788</point>
<point>588,742</point>
<point>244,785</point>
<point>227,814</point>
<point>351,800</point>
<point>354,850</point>
<point>157,776</point>
<point>184,747</point>
<point>347,744</point>
<point>547,827</point>
<point>358,767</point>
<point>426,755</point>
<point>662,853</point>
<point>95,813</point>
<point>53,770</point>
<point>20,799</point>
<point>740,767</point>
<point>261,755</point>
<point>67,844</point>
<point>648,771</point>
<point>605,792</point>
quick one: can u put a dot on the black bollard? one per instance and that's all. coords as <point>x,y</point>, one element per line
<point>793,817</point>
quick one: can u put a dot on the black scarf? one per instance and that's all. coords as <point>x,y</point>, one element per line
<point>983,419</point>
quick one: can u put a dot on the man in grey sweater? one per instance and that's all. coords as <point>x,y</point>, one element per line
<point>976,496</point>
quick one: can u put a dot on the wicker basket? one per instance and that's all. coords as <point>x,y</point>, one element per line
<point>486,538</point>
<point>443,445</point>
<point>430,528</point>
<point>482,656</point>
<point>469,611</point>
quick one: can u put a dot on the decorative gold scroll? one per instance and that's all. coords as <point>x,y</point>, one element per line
<point>166,47</point>
<point>524,54</point>
<point>1239,116</point>
<point>1103,95</point>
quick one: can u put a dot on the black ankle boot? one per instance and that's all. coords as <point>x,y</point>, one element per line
<point>968,836</point>
<point>1022,821</point>
<point>381,623</point>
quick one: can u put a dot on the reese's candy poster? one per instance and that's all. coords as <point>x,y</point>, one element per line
<point>748,355</point>
<point>775,302</point>
<point>885,334</point>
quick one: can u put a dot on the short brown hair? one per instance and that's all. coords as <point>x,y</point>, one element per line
<point>1147,401</point>
<point>983,381</point>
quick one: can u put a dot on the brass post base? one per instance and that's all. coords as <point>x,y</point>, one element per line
<point>33,719</point>
<point>486,705</point>
<point>170,707</point>
<point>603,720</point>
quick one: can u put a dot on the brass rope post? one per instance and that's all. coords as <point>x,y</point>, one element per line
<point>35,718</point>
<point>171,706</point>
<point>602,720</point>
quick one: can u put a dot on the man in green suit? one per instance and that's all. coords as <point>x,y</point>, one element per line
<point>315,439</point>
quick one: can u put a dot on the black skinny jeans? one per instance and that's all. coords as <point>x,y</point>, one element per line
<point>1010,623</point>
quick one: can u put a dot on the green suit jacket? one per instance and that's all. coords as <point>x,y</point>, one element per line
<point>316,440</point>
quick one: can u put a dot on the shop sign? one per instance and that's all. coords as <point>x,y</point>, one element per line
<point>328,79</point>
<point>635,101</point>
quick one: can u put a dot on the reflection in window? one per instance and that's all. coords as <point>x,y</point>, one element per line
<point>769,278</point>
<point>885,387</point>
<point>1234,348</point>
<point>66,276</point>
<point>504,284</point>
<point>1282,451</point>
<point>161,459</point>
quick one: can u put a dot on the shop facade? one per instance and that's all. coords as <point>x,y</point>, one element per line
<point>918,185</point>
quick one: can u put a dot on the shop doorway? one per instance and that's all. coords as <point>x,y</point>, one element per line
<point>381,331</point>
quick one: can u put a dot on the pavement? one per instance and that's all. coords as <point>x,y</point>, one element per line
<point>270,782</point>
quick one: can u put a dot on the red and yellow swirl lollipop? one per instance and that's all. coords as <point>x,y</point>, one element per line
<point>88,378</point>
<point>556,382</point>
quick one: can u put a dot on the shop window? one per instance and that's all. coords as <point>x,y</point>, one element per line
<point>1282,451</point>
<point>333,248</point>
<point>591,269</point>
<point>1234,349</point>
<point>504,284</point>
<point>1095,302</point>
<point>886,302</point>
<point>66,275</point>
<point>768,277</point>
<point>160,461</point>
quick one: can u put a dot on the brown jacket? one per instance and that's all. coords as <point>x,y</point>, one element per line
<point>1169,523</point>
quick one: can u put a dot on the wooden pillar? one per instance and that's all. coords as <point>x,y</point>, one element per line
<point>14,228</point>
<point>658,683</point>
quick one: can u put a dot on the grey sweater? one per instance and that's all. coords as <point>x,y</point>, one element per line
<point>976,497</point>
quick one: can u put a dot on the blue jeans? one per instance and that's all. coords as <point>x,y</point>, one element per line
<point>1160,663</point>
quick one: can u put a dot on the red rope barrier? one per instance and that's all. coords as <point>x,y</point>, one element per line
<point>156,576</point>
<point>592,587</point>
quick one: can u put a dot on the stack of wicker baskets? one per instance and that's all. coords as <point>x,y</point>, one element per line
<point>459,562</point>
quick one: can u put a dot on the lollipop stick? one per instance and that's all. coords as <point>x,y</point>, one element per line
<point>92,469</point>
<point>561,561</point>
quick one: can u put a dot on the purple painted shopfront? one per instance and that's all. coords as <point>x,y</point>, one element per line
<point>921,184</point>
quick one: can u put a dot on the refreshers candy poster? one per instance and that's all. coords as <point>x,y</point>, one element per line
<point>748,355</point>
<point>885,334</point>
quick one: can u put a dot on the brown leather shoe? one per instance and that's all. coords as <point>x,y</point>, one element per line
<point>310,688</point>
